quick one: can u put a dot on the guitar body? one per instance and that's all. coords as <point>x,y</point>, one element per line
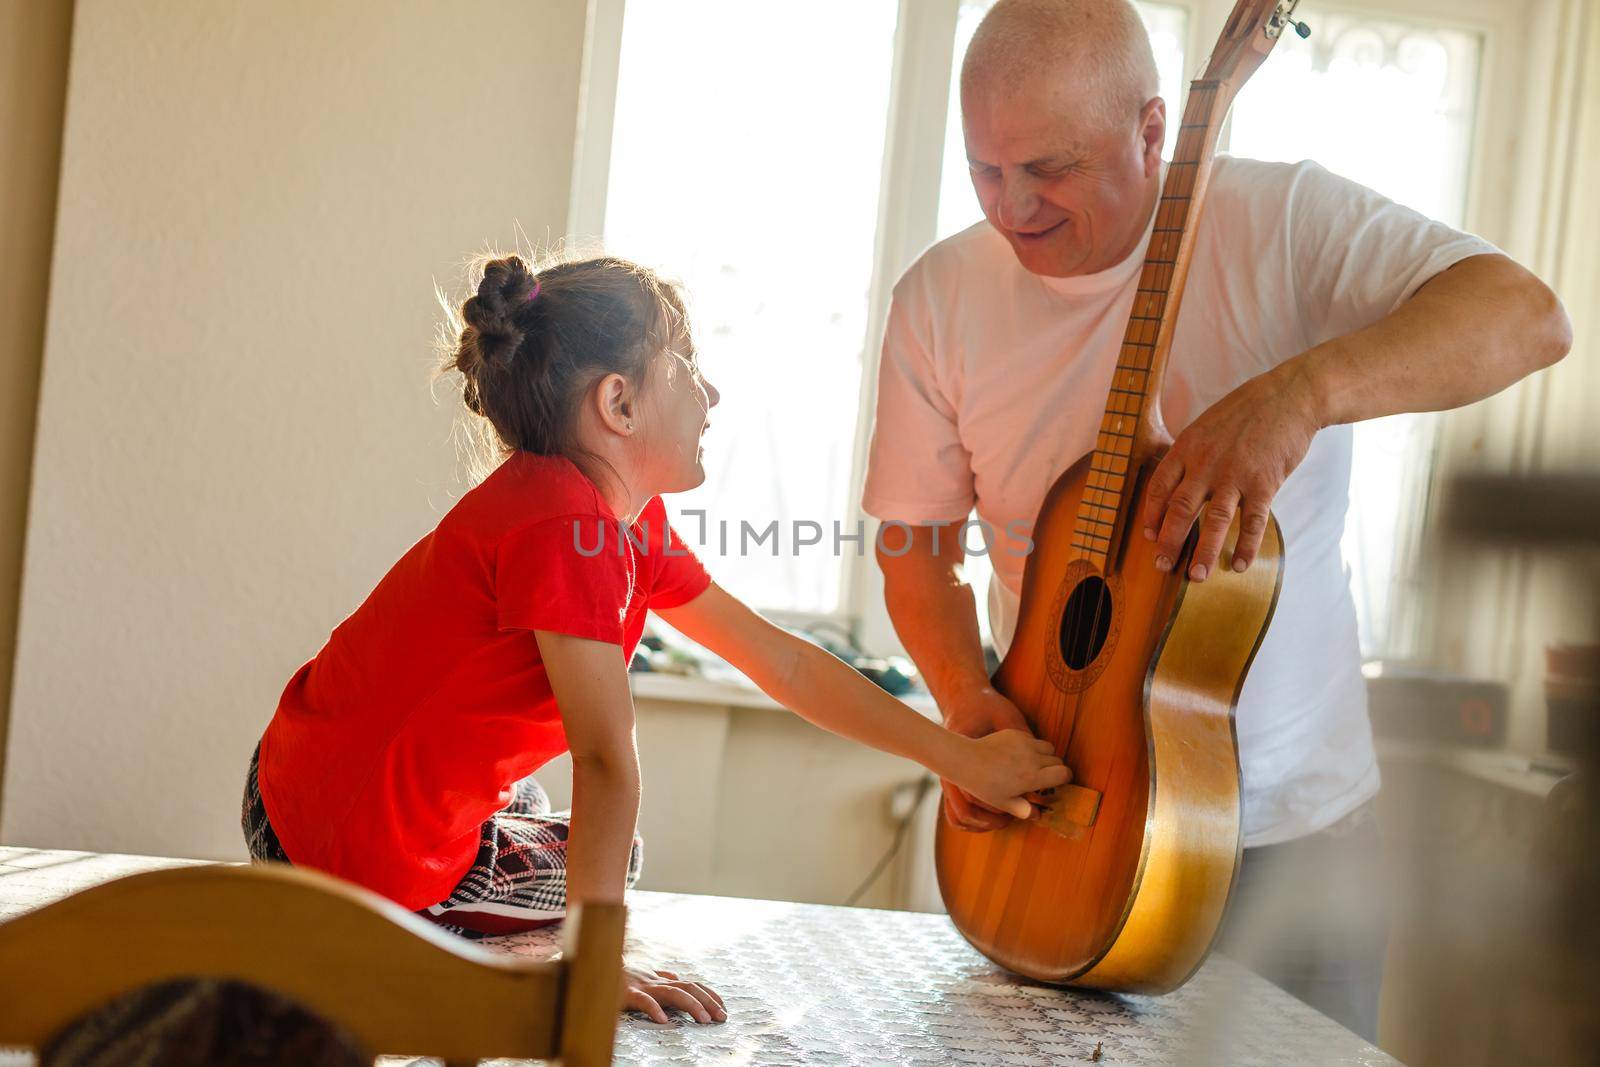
<point>1133,675</point>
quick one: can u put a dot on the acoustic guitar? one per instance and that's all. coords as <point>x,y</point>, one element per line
<point>1121,880</point>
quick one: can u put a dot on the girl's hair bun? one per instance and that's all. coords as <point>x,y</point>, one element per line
<point>496,313</point>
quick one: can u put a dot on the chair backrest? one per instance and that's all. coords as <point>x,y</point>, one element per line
<point>395,981</point>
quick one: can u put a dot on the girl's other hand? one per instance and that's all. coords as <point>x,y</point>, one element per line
<point>654,992</point>
<point>1002,768</point>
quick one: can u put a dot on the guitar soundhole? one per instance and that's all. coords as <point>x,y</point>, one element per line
<point>1085,622</point>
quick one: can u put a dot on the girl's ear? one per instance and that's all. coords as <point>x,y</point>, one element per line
<point>614,397</point>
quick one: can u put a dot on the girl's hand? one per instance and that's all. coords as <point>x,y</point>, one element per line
<point>653,992</point>
<point>977,713</point>
<point>1002,768</point>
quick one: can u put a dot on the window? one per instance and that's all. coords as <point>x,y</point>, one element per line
<point>1388,104</point>
<point>751,172</point>
<point>772,180</point>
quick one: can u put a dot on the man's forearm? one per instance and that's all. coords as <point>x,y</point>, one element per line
<point>1468,333</point>
<point>935,615</point>
<point>605,812</point>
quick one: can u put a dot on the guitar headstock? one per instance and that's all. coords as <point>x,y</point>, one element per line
<point>1251,31</point>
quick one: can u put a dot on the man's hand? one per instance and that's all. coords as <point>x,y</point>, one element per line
<point>653,992</point>
<point>1233,458</point>
<point>978,715</point>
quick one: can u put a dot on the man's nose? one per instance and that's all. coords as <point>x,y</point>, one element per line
<point>1017,202</point>
<point>712,396</point>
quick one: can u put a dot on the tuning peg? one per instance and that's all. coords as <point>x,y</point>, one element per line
<point>1284,16</point>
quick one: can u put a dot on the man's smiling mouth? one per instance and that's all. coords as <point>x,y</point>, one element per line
<point>1038,235</point>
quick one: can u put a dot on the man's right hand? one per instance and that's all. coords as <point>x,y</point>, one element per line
<point>981,712</point>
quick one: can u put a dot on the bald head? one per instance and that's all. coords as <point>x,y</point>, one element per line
<point>1096,51</point>
<point>1063,130</point>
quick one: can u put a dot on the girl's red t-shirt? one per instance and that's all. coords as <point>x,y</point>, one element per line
<point>407,731</point>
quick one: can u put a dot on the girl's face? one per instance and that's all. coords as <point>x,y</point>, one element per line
<point>676,410</point>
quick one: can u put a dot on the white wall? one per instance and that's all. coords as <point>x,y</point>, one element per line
<point>236,435</point>
<point>743,799</point>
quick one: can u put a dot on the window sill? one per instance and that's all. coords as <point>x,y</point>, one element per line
<point>689,689</point>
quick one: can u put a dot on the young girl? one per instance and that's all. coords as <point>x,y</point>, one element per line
<point>399,756</point>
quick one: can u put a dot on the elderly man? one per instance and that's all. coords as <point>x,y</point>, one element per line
<point>1313,303</point>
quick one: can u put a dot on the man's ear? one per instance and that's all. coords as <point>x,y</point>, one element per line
<point>1152,133</point>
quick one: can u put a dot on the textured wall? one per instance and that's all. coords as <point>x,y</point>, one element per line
<point>236,435</point>
<point>34,36</point>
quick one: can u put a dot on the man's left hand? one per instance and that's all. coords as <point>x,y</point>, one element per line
<point>1233,458</point>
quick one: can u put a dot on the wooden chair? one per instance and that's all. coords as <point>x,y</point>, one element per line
<point>396,982</point>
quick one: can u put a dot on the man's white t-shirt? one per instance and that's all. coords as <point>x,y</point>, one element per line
<point>993,381</point>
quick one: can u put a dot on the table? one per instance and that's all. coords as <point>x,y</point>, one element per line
<point>806,983</point>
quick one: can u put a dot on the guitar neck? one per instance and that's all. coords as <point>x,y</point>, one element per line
<point>1131,428</point>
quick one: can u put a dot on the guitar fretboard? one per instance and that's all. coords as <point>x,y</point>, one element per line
<point>1141,364</point>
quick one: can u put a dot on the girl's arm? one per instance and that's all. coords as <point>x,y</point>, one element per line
<point>590,682</point>
<point>1000,769</point>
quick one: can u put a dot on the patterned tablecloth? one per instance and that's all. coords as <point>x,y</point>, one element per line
<point>809,984</point>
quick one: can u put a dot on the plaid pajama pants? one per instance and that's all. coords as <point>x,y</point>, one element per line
<point>518,881</point>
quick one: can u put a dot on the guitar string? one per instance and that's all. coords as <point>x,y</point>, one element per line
<point>1156,306</point>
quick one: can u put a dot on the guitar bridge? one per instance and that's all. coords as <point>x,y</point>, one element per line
<point>1069,810</point>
